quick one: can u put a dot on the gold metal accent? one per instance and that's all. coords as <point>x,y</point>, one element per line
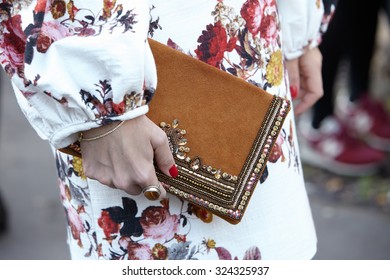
<point>175,123</point>
<point>181,155</point>
<point>213,188</point>
<point>152,192</point>
<point>81,137</point>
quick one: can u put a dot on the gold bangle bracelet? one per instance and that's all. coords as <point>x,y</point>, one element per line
<point>81,138</point>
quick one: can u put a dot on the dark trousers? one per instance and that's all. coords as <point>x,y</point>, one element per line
<point>351,35</point>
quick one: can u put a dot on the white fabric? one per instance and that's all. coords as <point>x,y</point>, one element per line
<point>278,221</point>
<point>73,63</point>
<point>300,23</point>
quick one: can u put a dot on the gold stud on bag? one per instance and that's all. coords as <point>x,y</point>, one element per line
<point>221,131</point>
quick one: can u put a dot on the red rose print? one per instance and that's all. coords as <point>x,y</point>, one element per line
<point>159,224</point>
<point>270,2</point>
<point>277,151</point>
<point>203,214</point>
<point>40,6</point>
<point>160,252</point>
<point>137,251</point>
<point>213,44</point>
<point>50,32</point>
<point>269,28</point>
<point>74,221</point>
<point>43,43</point>
<point>107,224</point>
<point>252,12</point>
<point>58,8</point>
<point>13,45</point>
<point>252,253</point>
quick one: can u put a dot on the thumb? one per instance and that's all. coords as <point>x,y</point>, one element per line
<point>163,155</point>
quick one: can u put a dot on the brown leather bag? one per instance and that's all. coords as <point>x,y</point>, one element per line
<point>221,131</point>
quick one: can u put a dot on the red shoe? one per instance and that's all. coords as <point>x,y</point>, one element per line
<point>333,148</point>
<point>371,122</point>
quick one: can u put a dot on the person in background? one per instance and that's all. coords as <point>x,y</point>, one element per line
<point>352,139</point>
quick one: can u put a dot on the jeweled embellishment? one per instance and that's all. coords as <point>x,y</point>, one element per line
<point>260,164</point>
<point>195,164</point>
<point>178,145</point>
<point>229,195</point>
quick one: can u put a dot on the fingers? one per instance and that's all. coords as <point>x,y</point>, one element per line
<point>115,163</point>
<point>293,77</point>
<point>134,183</point>
<point>163,154</point>
<point>312,91</point>
<point>98,172</point>
<point>311,88</point>
<point>154,192</point>
<point>306,102</point>
<point>144,176</point>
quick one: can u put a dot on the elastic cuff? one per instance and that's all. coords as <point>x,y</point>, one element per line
<point>68,135</point>
<point>293,55</point>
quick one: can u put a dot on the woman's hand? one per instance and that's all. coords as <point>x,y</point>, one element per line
<point>305,76</point>
<point>124,158</point>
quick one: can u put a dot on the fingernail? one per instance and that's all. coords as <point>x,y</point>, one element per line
<point>174,171</point>
<point>294,92</point>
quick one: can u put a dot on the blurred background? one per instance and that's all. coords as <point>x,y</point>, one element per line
<point>351,213</point>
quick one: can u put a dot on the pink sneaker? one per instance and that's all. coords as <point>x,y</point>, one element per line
<point>369,120</point>
<point>334,149</point>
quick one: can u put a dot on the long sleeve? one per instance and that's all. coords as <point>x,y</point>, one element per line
<point>301,24</point>
<point>77,65</point>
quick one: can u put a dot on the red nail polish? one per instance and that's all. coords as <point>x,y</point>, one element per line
<point>294,92</point>
<point>174,171</point>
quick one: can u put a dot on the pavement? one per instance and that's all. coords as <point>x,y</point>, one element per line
<point>28,184</point>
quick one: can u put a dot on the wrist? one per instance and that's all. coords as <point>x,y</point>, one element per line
<point>99,132</point>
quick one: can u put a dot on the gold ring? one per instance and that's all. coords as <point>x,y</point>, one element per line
<point>152,192</point>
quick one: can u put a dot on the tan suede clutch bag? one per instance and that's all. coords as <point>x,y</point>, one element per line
<point>221,131</point>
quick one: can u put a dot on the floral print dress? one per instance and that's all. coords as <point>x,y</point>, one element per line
<point>76,65</point>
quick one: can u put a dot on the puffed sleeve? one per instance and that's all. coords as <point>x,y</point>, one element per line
<point>300,23</point>
<point>77,65</point>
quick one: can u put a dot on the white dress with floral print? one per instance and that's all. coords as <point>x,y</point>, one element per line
<point>76,65</point>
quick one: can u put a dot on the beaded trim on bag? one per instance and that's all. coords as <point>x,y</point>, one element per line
<point>226,195</point>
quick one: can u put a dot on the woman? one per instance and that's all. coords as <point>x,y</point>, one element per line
<point>85,66</point>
